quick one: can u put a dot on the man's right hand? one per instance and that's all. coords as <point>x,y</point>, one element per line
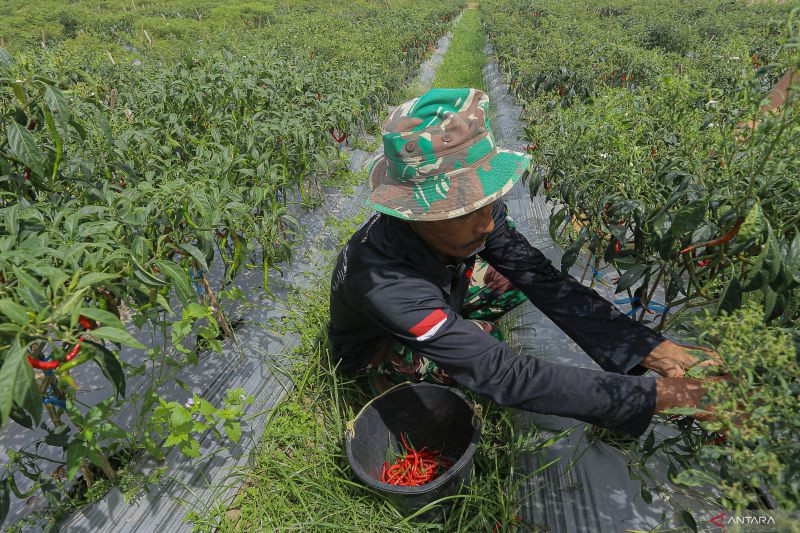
<point>680,392</point>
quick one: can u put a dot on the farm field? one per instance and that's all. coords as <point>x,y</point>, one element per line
<point>158,159</point>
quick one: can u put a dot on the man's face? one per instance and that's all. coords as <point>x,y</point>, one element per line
<point>457,237</point>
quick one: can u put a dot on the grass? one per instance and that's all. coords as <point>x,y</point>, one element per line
<point>464,61</point>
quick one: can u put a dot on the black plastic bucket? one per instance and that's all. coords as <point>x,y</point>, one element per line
<point>432,416</point>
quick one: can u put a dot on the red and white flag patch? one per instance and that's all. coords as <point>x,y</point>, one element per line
<point>428,326</point>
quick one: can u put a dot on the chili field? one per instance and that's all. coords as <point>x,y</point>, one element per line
<point>669,159</point>
<point>150,153</point>
<point>156,158</point>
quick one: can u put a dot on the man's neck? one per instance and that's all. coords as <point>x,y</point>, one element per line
<point>443,257</point>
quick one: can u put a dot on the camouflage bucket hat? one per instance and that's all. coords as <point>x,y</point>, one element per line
<point>440,158</point>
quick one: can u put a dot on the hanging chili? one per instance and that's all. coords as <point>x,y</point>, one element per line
<point>725,238</point>
<point>339,139</point>
<point>50,365</point>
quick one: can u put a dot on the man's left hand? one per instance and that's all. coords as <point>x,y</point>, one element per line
<point>672,360</point>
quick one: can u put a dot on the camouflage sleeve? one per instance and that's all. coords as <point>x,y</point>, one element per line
<point>414,312</point>
<point>616,342</point>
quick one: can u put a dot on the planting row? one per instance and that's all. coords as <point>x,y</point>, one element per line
<point>122,182</point>
<point>670,158</point>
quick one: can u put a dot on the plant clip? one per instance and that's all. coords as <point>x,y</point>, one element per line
<point>197,287</point>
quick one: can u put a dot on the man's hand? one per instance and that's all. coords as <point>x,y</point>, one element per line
<point>686,392</point>
<point>673,360</point>
<point>679,392</point>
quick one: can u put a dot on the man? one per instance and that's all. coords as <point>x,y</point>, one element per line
<point>441,235</point>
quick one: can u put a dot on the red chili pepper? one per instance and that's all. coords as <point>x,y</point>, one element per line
<point>415,467</point>
<point>42,365</point>
<point>617,246</point>
<point>27,175</point>
<point>72,353</point>
<point>86,323</point>
<point>50,365</point>
<point>339,139</point>
<point>703,263</point>
<point>725,238</point>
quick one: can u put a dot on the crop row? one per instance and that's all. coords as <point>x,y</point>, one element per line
<point>122,182</point>
<point>667,157</point>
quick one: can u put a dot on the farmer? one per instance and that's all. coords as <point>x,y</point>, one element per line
<point>416,290</point>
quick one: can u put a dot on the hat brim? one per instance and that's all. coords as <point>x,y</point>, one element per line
<point>446,196</point>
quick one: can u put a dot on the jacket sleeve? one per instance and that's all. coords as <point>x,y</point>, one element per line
<point>415,313</point>
<point>616,342</point>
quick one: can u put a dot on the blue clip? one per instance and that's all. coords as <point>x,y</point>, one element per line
<point>55,402</point>
<point>197,287</point>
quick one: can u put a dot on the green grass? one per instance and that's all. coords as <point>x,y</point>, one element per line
<point>463,63</point>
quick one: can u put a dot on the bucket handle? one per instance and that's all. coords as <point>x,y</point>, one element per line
<point>477,415</point>
<point>350,426</point>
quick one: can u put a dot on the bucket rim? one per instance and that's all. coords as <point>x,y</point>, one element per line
<point>469,452</point>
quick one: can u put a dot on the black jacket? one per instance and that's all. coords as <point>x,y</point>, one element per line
<point>388,281</point>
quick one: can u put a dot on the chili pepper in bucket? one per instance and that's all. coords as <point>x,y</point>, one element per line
<point>413,468</point>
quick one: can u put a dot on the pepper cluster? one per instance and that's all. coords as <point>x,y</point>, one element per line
<point>414,468</point>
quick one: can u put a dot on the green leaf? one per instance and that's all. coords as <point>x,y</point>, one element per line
<point>630,277</point>
<point>57,104</point>
<point>646,495</point>
<point>180,280</point>
<point>555,221</point>
<point>731,298</point>
<point>14,312</point>
<point>753,225</point>
<point>233,430</point>
<point>190,448</point>
<point>58,438</point>
<point>649,441</point>
<point>22,418</point>
<point>174,439</point>
<point>12,219</point>
<point>180,418</point>
<point>26,392</point>
<point>5,500</point>
<point>6,62</point>
<point>196,254</point>
<point>206,408</point>
<point>792,263</point>
<point>11,372</point>
<point>23,145</point>
<point>117,335</point>
<point>767,265</point>
<point>689,520</point>
<point>688,218</point>
<point>195,310</point>
<point>571,253</point>
<point>102,317</point>
<point>74,458</point>
<point>111,367</point>
<point>93,278</point>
